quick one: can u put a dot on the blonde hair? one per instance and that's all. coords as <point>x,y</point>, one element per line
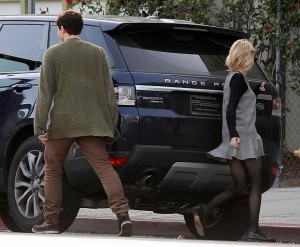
<point>241,55</point>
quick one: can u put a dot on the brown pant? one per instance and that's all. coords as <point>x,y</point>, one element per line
<point>94,149</point>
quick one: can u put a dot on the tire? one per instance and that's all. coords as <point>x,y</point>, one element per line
<point>8,220</point>
<point>25,189</point>
<point>71,202</point>
<point>227,223</point>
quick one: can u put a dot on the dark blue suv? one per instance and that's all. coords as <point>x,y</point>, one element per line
<point>168,77</point>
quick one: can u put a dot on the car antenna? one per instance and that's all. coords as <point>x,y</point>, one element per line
<point>156,15</point>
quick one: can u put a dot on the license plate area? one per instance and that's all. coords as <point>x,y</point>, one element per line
<point>206,106</point>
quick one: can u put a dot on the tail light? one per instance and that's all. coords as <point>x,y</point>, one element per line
<point>117,161</point>
<point>276,107</point>
<point>125,95</point>
<point>274,171</point>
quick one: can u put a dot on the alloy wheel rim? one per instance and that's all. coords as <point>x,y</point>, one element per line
<point>29,184</point>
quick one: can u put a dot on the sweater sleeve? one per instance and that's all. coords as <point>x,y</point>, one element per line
<point>238,87</point>
<point>110,93</point>
<point>46,91</point>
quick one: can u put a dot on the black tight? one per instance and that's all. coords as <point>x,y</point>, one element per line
<point>242,171</point>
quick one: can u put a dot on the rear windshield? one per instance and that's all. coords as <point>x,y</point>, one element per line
<point>174,51</point>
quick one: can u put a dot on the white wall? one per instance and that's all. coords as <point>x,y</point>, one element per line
<point>14,8</point>
<point>11,8</point>
<point>54,7</point>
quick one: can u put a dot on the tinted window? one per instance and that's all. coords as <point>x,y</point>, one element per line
<point>20,47</point>
<point>90,33</point>
<point>54,39</point>
<point>94,35</point>
<point>176,52</point>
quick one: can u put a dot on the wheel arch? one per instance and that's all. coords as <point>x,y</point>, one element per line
<point>12,146</point>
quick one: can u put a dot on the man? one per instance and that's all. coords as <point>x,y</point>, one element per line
<point>77,90</point>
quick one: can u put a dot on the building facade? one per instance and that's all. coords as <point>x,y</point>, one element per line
<point>17,7</point>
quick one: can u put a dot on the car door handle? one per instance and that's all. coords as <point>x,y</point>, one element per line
<point>21,86</point>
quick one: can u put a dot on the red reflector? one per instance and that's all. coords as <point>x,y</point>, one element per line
<point>276,103</point>
<point>118,161</point>
<point>274,171</point>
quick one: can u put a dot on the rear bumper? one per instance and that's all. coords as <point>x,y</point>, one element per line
<point>164,167</point>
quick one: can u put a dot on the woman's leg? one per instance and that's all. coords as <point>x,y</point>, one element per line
<point>253,167</point>
<point>239,177</point>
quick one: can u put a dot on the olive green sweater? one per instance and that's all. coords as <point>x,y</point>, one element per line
<point>76,87</point>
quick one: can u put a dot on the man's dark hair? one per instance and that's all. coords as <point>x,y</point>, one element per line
<point>71,21</point>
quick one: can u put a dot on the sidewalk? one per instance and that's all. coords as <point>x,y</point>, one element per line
<point>279,218</point>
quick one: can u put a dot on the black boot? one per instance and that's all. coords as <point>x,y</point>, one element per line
<point>258,236</point>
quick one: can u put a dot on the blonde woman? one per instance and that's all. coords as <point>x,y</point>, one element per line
<point>241,145</point>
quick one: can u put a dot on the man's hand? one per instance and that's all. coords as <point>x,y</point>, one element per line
<point>234,142</point>
<point>43,138</point>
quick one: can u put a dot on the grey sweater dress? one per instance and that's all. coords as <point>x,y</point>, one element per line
<point>250,145</point>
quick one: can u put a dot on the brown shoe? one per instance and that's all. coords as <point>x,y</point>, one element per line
<point>46,227</point>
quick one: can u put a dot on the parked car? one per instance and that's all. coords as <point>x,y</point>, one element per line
<point>168,77</point>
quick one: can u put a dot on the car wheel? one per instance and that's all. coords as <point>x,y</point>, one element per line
<point>8,220</point>
<point>226,223</point>
<point>25,190</point>
<point>71,202</point>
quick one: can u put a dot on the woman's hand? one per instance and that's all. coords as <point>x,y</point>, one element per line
<point>234,142</point>
<point>262,86</point>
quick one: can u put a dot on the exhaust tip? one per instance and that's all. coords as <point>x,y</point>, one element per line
<point>147,180</point>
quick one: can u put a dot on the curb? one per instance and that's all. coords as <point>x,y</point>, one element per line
<point>169,229</point>
<point>2,226</point>
<point>282,232</point>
